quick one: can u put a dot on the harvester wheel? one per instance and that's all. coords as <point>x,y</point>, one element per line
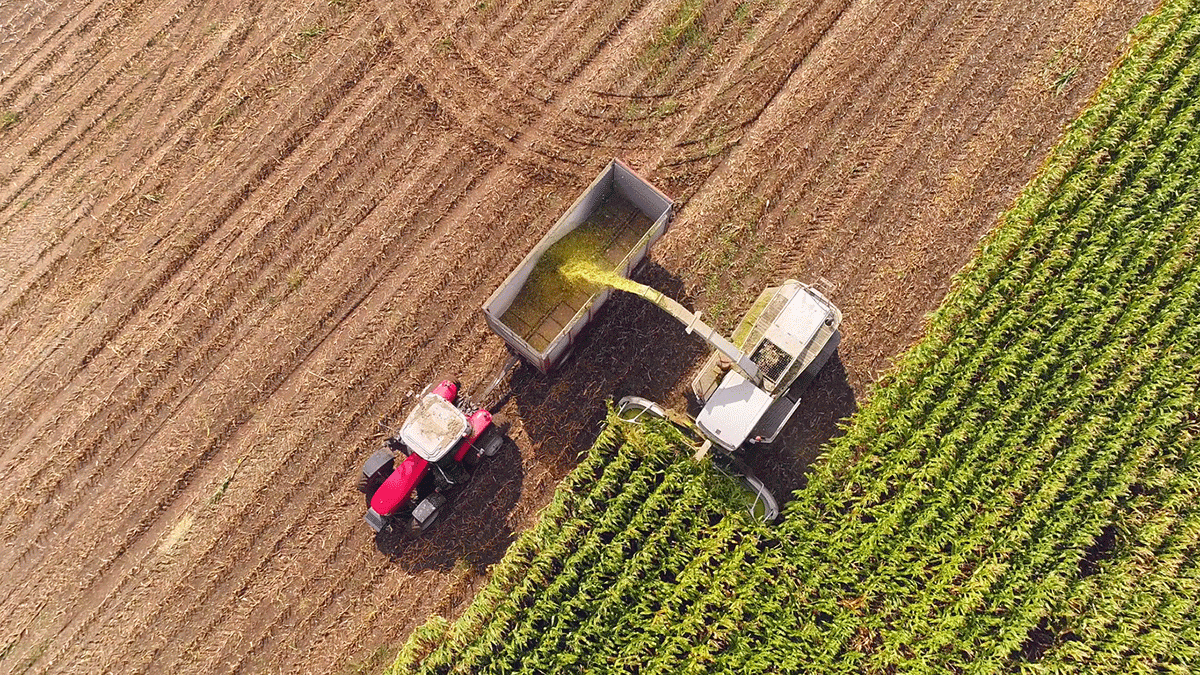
<point>633,408</point>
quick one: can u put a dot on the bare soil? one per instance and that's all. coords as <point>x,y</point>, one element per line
<point>235,236</point>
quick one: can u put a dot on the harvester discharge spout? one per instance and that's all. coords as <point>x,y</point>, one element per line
<point>587,272</point>
<point>693,324</point>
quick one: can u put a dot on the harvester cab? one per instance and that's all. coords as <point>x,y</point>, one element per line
<point>789,334</point>
<point>751,385</point>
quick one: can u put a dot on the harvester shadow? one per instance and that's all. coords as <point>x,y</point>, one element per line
<point>825,405</point>
<point>474,530</point>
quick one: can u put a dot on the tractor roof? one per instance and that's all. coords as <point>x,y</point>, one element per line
<point>433,428</point>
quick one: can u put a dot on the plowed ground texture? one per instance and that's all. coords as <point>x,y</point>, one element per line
<point>235,237</point>
<point>1019,496</point>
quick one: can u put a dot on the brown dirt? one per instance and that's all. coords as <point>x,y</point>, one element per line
<point>235,236</point>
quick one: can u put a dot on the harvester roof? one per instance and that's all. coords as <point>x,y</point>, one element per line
<point>735,407</point>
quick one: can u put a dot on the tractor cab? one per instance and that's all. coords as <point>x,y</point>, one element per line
<point>415,475</point>
<point>434,428</point>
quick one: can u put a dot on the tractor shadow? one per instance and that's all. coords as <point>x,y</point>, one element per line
<point>474,529</point>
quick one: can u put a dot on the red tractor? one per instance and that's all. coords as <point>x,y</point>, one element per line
<point>413,477</point>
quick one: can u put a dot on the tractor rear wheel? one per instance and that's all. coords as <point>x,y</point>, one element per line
<point>376,470</point>
<point>491,441</point>
<point>364,485</point>
<point>414,529</point>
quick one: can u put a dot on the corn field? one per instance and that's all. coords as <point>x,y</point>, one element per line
<point>1019,493</point>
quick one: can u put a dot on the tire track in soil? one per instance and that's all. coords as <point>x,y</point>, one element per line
<point>306,481</point>
<point>899,127</point>
<point>483,333</point>
<point>70,126</point>
<point>164,156</point>
<point>778,32</point>
<point>61,259</point>
<point>226,596</point>
<point>480,335</point>
<point>320,491</point>
<point>968,80</point>
<point>72,25</point>
<point>831,137</point>
<point>251,246</point>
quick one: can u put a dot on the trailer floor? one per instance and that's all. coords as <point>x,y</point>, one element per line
<point>235,236</point>
<point>548,300</point>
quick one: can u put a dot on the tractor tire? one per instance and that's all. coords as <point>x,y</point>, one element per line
<point>413,529</point>
<point>376,470</point>
<point>369,484</point>
<point>491,441</point>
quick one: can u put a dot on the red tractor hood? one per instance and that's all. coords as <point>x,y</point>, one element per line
<point>395,490</point>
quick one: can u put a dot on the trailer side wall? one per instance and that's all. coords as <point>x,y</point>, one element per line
<point>544,331</point>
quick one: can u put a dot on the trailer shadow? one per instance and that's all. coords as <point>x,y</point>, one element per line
<point>474,530</point>
<point>631,347</point>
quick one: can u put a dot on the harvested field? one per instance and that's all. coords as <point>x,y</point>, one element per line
<point>235,237</point>
<point>1019,494</point>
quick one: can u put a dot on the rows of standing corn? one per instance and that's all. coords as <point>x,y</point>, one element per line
<point>1021,493</point>
<point>637,560</point>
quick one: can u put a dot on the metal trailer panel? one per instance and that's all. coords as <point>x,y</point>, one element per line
<point>616,178</point>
